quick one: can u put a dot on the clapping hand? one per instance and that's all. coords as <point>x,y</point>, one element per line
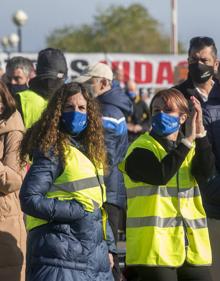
<point>199,120</point>
<point>194,123</point>
<point>190,125</point>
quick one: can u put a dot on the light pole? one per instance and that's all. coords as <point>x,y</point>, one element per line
<point>174,33</point>
<point>5,44</point>
<point>14,40</point>
<point>9,41</point>
<point>19,18</point>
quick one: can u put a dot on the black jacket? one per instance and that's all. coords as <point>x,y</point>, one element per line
<point>211,116</point>
<point>212,124</point>
<point>187,89</point>
<point>142,165</point>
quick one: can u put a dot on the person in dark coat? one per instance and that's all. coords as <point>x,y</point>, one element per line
<point>63,193</point>
<point>115,106</point>
<point>211,190</point>
<point>138,123</point>
<point>201,83</point>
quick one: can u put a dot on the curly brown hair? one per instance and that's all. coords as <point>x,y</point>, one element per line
<point>47,134</point>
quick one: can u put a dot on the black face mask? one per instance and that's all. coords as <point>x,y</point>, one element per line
<point>200,73</point>
<point>48,87</point>
<point>13,89</point>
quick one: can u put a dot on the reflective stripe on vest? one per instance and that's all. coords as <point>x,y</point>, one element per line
<point>77,185</point>
<point>32,106</point>
<point>81,181</point>
<point>160,218</point>
<point>163,191</point>
<point>165,222</point>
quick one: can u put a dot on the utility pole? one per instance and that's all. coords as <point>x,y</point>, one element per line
<point>174,35</point>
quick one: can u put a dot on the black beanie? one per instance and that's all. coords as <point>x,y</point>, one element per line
<point>51,63</point>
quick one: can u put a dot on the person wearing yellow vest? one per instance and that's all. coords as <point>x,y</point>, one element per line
<point>63,192</point>
<point>19,71</point>
<point>166,229</point>
<point>51,72</point>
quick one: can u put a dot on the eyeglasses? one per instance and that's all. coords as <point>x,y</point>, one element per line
<point>201,40</point>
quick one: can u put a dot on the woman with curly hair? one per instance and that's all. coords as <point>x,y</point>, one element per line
<point>63,192</point>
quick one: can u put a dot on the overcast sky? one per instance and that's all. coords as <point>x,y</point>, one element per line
<point>195,17</point>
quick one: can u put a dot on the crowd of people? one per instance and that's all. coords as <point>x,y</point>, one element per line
<point>76,155</point>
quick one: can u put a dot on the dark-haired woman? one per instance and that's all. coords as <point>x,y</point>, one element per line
<point>63,192</point>
<point>166,231</point>
<point>12,228</point>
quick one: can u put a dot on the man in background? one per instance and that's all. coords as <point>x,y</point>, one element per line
<point>202,65</point>
<point>51,72</point>
<point>201,83</point>
<point>19,71</point>
<point>138,121</point>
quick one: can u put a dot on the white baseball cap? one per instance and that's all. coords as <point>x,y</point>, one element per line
<point>99,69</point>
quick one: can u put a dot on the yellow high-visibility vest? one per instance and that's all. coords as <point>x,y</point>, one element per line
<point>81,181</point>
<point>32,106</point>
<point>161,218</point>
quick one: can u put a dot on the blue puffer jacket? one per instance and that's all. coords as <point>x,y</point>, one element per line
<point>71,245</point>
<point>211,114</point>
<point>115,105</point>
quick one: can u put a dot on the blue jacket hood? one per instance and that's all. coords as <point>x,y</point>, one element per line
<point>117,98</point>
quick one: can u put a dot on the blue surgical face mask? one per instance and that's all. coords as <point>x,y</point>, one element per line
<point>132,95</point>
<point>75,122</point>
<point>164,124</point>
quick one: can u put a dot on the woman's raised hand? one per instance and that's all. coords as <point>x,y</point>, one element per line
<point>199,120</point>
<point>190,127</point>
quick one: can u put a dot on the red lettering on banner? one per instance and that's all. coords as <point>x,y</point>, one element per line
<point>164,73</point>
<point>116,65</point>
<point>183,63</point>
<point>143,72</point>
<point>126,70</point>
<point>124,66</point>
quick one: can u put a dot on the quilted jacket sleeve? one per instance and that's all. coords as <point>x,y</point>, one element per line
<point>110,240</point>
<point>37,182</point>
<point>116,143</point>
